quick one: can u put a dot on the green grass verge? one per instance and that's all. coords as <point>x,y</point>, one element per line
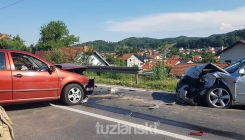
<point>168,84</point>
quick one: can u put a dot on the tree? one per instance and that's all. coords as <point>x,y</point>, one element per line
<point>208,58</point>
<point>55,35</point>
<point>115,61</point>
<point>15,43</point>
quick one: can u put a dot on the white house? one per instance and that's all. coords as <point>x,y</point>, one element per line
<point>233,52</point>
<point>132,60</point>
<point>95,59</point>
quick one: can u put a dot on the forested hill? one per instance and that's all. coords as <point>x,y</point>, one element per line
<point>134,43</point>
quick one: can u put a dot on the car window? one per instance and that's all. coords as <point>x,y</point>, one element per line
<point>2,61</point>
<point>235,66</point>
<point>26,62</point>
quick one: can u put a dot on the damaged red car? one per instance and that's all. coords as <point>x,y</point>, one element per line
<point>25,77</point>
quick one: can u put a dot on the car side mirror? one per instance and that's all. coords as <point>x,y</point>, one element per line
<point>52,68</point>
<point>242,71</point>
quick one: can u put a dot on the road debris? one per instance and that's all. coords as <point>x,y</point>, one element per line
<point>159,103</point>
<point>130,114</point>
<point>85,100</point>
<point>115,91</point>
<point>200,133</point>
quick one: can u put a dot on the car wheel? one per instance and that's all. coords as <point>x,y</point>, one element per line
<point>177,94</point>
<point>178,99</point>
<point>219,96</point>
<point>72,94</point>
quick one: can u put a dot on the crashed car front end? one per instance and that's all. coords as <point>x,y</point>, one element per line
<point>197,81</point>
<point>89,85</point>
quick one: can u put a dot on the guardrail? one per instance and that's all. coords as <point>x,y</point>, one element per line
<point>117,69</point>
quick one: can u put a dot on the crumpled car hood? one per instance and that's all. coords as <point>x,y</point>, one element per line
<point>72,67</point>
<point>195,71</point>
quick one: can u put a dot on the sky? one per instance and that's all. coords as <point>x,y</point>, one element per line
<point>115,20</point>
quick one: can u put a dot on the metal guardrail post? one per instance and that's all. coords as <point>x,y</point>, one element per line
<point>137,79</point>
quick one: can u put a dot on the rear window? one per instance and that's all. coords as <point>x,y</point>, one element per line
<point>2,61</point>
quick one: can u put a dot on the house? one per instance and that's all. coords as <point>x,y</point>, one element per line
<point>76,52</point>
<point>152,58</point>
<point>175,57</point>
<point>210,51</point>
<point>181,49</point>
<point>148,66</point>
<point>179,70</point>
<point>196,58</point>
<point>132,60</point>
<point>98,60</point>
<point>233,52</point>
<point>171,62</point>
<point>185,61</point>
<point>156,56</point>
<point>4,36</point>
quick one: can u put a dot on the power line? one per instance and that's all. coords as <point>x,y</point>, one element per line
<point>11,4</point>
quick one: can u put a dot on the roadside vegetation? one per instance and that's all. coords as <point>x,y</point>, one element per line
<point>159,80</point>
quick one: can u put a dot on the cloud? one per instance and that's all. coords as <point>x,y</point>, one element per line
<point>229,27</point>
<point>165,22</point>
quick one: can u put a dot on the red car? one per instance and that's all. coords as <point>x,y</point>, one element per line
<point>25,77</point>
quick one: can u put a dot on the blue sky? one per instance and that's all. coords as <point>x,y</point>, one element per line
<point>114,20</point>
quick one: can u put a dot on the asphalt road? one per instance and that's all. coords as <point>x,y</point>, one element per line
<point>125,113</point>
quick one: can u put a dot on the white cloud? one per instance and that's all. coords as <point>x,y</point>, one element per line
<point>229,27</point>
<point>165,22</point>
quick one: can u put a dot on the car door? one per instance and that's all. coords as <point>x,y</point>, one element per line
<point>6,87</point>
<point>32,79</point>
<point>239,88</point>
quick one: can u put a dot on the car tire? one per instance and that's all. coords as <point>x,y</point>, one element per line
<point>72,94</point>
<point>177,98</point>
<point>218,96</point>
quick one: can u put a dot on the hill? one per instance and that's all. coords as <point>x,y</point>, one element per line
<point>136,43</point>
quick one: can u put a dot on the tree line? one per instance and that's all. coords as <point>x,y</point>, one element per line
<point>55,34</point>
<point>134,43</point>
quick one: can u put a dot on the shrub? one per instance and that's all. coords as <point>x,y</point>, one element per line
<point>55,56</point>
<point>117,76</point>
<point>159,71</point>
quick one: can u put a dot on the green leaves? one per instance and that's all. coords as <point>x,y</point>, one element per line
<point>15,43</point>
<point>55,56</point>
<point>55,35</point>
<point>160,72</point>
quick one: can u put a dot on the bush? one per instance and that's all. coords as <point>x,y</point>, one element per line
<point>55,56</point>
<point>117,76</point>
<point>167,84</point>
<point>159,71</point>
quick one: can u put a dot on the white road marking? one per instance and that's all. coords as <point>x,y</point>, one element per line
<point>150,129</point>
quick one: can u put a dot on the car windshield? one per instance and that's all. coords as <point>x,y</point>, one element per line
<point>235,66</point>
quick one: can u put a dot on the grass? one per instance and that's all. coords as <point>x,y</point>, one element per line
<point>169,45</point>
<point>167,84</point>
